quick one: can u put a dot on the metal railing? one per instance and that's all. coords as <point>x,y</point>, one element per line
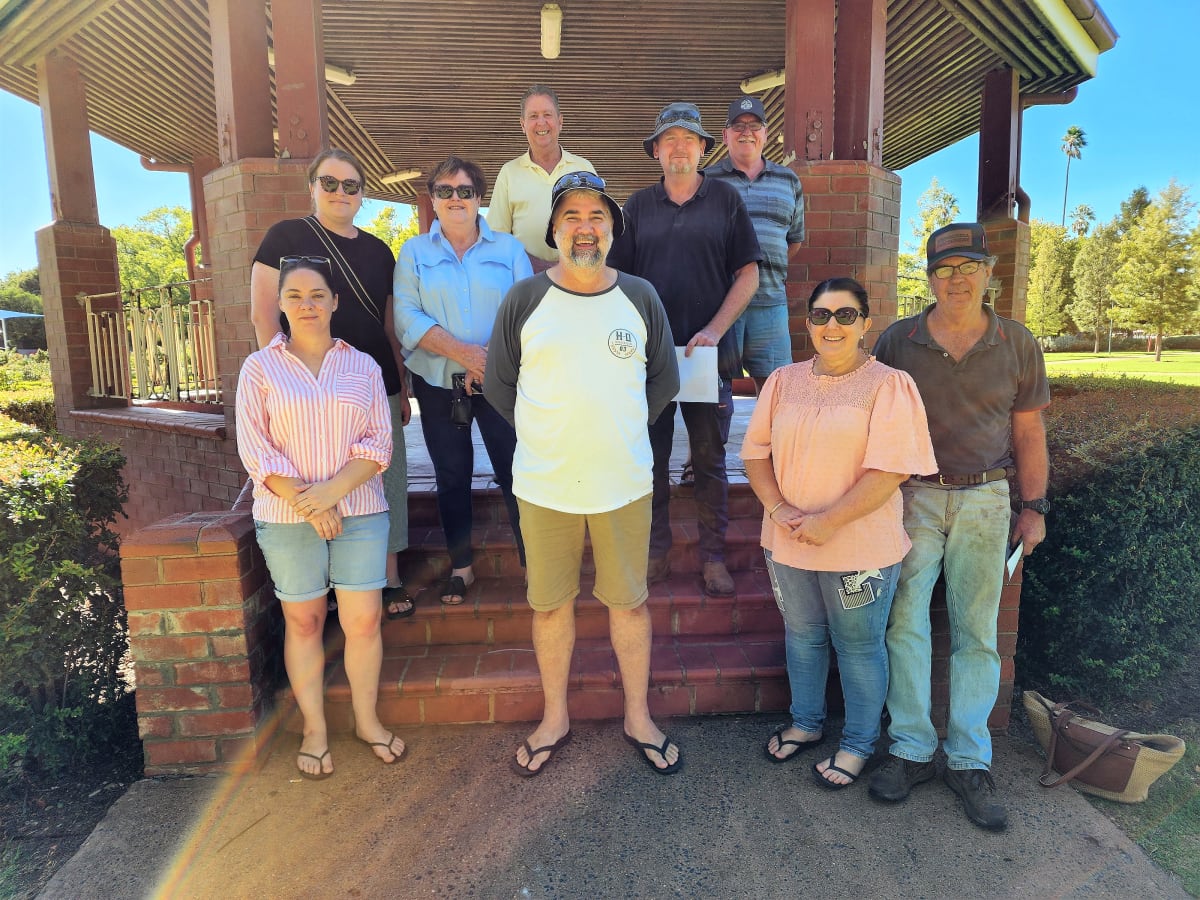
<point>158,344</point>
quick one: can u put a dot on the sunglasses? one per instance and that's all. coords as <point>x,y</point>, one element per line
<point>329,185</point>
<point>445,192</point>
<point>688,112</point>
<point>573,180</point>
<point>285,261</point>
<point>967,268</point>
<point>847,315</point>
<point>743,127</point>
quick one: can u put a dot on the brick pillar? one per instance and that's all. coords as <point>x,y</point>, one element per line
<point>242,200</point>
<point>74,258</point>
<point>200,631</point>
<point>852,228</point>
<point>1009,240</point>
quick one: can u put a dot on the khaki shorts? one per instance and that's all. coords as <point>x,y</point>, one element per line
<point>554,552</point>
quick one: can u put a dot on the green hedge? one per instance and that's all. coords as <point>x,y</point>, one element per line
<point>63,697</point>
<point>36,411</point>
<point>1110,599</point>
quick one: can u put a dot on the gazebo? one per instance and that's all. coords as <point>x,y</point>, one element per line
<point>240,93</point>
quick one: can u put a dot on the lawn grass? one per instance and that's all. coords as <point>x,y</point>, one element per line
<point>1167,825</point>
<point>1179,366</point>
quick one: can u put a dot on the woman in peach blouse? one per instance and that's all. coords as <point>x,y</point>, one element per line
<point>828,445</point>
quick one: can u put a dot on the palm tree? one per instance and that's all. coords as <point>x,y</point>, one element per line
<point>1082,217</point>
<point>1073,143</point>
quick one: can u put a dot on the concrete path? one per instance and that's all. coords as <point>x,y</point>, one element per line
<point>451,819</point>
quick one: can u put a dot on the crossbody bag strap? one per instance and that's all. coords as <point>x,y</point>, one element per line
<point>348,274</point>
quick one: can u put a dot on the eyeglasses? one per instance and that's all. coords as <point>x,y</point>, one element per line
<point>285,261</point>
<point>847,315</point>
<point>967,268</point>
<point>572,180</point>
<point>445,192</point>
<point>742,127</point>
<point>329,185</point>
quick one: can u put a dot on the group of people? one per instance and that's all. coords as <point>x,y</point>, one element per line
<point>553,324</point>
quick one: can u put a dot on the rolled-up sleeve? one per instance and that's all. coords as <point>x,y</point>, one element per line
<point>375,443</point>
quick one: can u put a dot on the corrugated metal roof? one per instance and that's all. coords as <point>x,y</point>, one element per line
<point>435,78</point>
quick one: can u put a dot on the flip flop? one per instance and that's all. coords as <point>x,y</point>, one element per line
<point>642,747</point>
<point>387,745</point>
<point>398,594</point>
<point>832,767</point>
<point>687,475</point>
<point>800,746</point>
<point>523,770</point>
<point>454,586</point>
<point>320,776</point>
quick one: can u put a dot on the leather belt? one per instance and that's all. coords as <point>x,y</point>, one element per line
<point>969,480</point>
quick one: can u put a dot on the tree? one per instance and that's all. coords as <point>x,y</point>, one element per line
<point>385,227</point>
<point>1151,286</point>
<point>1052,255</point>
<point>1095,269</point>
<point>1073,143</point>
<point>1082,217</point>
<point>151,252</point>
<point>1131,209</point>
<point>935,208</point>
<point>20,292</point>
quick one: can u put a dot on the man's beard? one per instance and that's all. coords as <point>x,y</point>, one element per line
<point>586,257</point>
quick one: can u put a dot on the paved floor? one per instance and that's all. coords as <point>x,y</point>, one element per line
<point>451,819</point>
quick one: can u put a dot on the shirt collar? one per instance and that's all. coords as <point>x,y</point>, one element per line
<point>661,192</point>
<point>991,336</point>
<point>485,232</point>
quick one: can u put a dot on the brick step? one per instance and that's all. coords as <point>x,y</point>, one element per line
<point>496,613</point>
<point>483,683</point>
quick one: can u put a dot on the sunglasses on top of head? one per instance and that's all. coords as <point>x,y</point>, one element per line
<point>287,261</point>
<point>445,192</point>
<point>847,315</point>
<point>329,185</point>
<point>587,180</point>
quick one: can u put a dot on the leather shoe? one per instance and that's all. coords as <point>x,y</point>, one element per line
<point>658,568</point>
<point>717,580</point>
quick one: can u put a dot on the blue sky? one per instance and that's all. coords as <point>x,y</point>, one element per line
<point>1141,118</point>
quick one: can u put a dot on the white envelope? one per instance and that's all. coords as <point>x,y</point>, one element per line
<point>697,375</point>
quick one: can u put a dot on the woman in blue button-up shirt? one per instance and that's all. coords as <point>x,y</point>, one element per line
<point>448,286</point>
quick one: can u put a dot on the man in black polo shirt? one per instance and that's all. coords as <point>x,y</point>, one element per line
<point>983,381</point>
<point>692,238</point>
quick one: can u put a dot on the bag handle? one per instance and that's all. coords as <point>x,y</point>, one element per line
<point>348,274</point>
<point>1060,722</point>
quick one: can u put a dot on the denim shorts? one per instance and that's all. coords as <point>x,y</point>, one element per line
<point>304,565</point>
<point>762,338</point>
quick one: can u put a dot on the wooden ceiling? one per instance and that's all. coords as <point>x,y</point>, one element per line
<point>435,78</point>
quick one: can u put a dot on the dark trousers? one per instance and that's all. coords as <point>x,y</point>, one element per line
<point>453,456</point>
<point>708,429</point>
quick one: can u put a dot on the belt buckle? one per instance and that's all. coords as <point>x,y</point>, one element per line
<point>942,480</point>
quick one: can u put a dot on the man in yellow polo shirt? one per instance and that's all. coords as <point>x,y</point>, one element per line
<point>520,202</point>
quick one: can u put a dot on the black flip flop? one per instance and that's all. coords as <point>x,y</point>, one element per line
<point>800,746</point>
<point>642,747</point>
<point>387,745</point>
<point>832,767</point>
<point>454,586</point>
<point>319,776</point>
<point>523,770</point>
<point>398,594</point>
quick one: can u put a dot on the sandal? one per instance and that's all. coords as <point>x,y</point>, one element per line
<point>314,776</point>
<point>800,746</point>
<point>687,475</point>
<point>454,586</point>
<point>819,776</point>
<point>387,745</point>
<point>393,596</point>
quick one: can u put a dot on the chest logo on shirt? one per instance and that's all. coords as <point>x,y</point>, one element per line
<point>622,344</point>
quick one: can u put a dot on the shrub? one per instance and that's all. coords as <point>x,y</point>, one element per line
<point>1109,600</point>
<point>35,411</point>
<point>62,615</point>
<point>1182,342</point>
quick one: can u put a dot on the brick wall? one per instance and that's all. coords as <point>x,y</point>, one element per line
<point>202,622</point>
<point>1009,239</point>
<point>852,224</point>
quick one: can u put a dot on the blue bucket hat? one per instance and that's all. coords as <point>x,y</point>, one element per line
<point>678,115</point>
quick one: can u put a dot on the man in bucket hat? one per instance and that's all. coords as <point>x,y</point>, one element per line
<point>984,384</point>
<point>692,238</point>
<point>580,360</point>
<point>775,201</point>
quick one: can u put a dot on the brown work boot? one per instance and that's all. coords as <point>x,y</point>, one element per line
<point>658,568</point>
<point>978,793</point>
<point>717,580</point>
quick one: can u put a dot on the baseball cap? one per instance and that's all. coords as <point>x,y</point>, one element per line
<point>582,181</point>
<point>678,115</point>
<point>744,105</point>
<point>967,239</point>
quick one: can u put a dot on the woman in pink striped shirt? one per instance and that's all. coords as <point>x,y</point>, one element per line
<point>314,432</point>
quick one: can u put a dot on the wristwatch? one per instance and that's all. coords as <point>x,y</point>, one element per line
<point>1041,506</point>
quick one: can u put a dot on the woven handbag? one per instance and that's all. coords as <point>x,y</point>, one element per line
<point>1098,759</point>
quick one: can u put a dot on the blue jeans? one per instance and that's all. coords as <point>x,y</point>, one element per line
<point>453,457</point>
<point>963,532</point>
<point>763,340</point>
<point>708,429</point>
<point>814,615</point>
<point>303,564</point>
